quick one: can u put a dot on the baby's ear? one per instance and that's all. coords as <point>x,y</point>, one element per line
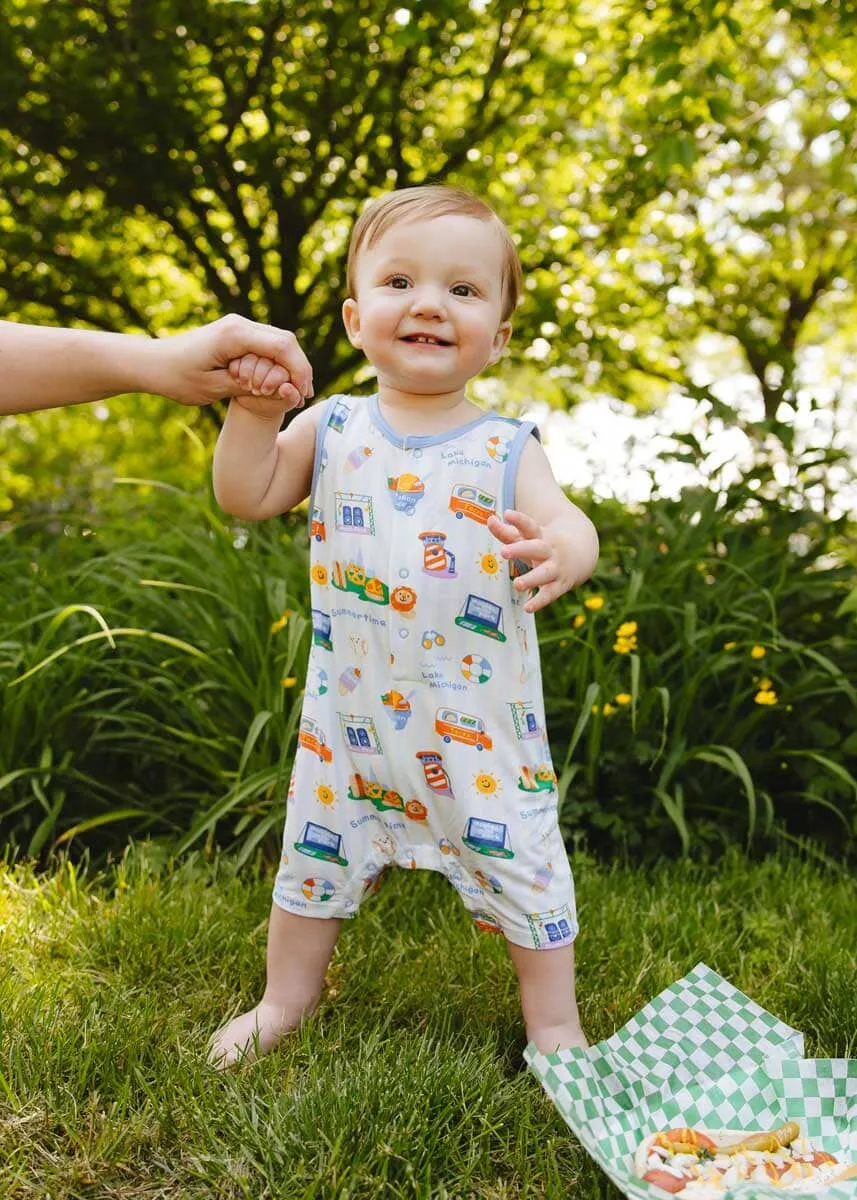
<point>351,320</point>
<point>501,340</point>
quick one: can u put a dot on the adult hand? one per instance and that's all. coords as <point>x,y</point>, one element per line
<point>194,367</point>
<point>47,367</point>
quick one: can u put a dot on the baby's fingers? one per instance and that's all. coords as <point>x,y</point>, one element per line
<point>535,551</point>
<point>542,575</point>
<point>544,596</point>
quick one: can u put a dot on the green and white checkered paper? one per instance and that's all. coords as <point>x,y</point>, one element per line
<point>700,1054</point>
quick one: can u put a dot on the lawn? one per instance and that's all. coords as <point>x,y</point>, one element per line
<point>408,1082</point>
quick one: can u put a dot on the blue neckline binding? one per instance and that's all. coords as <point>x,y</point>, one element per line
<point>411,441</point>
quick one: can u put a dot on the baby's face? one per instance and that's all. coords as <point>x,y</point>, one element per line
<point>428,309</point>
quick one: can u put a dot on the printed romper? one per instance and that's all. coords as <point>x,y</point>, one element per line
<point>422,738</point>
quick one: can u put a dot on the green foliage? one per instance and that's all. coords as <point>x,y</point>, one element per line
<point>144,654</point>
<point>718,629</point>
<point>159,699</point>
<point>407,1083</point>
<point>67,458</point>
<point>671,170</point>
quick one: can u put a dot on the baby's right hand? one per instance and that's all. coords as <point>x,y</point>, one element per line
<point>270,390</point>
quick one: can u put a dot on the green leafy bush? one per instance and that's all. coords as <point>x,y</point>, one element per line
<point>699,689</point>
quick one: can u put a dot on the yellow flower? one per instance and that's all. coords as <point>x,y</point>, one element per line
<point>290,681</point>
<point>282,621</point>
<point>624,698</point>
<point>625,645</point>
<point>579,620</point>
<point>563,643</point>
<point>627,629</point>
<point>596,708</point>
<point>729,645</point>
<point>608,709</point>
<point>766,696</point>
<point>594,602</point>
<point>758,652</point>
<point>764,685</point>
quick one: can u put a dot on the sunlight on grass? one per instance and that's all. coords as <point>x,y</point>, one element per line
<point>409,1079</point>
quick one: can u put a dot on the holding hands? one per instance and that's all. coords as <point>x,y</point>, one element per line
<point>557,554</point>
<point>269,389</point>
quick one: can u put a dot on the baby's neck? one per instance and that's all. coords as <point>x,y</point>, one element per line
<point>409,414</point>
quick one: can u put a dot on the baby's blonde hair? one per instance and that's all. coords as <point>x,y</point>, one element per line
<point>433,200</point>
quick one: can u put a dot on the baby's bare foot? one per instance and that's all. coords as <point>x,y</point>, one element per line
<point>248,1037</point>
<point>559,1037</point>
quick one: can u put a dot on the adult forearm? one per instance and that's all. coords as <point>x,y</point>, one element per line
<point>50,368</point>
<point>245,459</point>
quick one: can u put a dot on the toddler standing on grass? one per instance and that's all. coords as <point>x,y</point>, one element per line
<point>437,531</point>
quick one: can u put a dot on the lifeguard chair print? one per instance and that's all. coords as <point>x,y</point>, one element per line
<point>482,616</point>
<point>467,500</point>
<point>488,837</point>
<point>435,773</point>
<point>360,734</point>
<point>354,513</point>
<point>437,560</point>
<point>524,719</point>
<point>550,928</point>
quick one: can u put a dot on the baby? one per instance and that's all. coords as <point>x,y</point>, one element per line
<point>437,531</point>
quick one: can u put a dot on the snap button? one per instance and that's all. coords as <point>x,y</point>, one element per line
<point>403,633</point>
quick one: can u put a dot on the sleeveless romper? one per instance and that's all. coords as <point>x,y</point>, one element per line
<point>422,738</point>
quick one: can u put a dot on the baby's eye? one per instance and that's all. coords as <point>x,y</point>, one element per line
<point>398,281</point>
<point>463,289</point>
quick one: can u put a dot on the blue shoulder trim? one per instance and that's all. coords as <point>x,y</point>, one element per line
<point>526,429</point>
<point>324,421</point>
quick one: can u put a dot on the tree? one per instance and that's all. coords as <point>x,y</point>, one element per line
<point>174,159</point>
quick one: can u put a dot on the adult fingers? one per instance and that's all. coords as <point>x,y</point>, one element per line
<point>237,336</point>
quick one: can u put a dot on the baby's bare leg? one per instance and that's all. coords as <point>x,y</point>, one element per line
<point>299,950</point>
<point>546,979</point>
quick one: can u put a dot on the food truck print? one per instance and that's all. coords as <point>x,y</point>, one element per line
<point>467,500</point>
<point>456,726</point>
<point>312,738</point>
<point>317,529</point>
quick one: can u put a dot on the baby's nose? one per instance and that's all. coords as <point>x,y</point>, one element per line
<point>427,301</point>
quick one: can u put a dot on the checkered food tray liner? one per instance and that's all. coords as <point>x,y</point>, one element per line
<point>700,1054</point>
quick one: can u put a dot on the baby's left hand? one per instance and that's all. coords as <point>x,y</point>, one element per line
<point>544,548</point>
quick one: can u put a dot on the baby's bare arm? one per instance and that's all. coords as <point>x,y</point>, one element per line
<point>258,471</point>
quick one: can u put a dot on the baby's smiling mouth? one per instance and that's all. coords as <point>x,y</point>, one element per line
<point>424,339</point>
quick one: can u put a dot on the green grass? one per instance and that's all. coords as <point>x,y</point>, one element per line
<point>408,1082</point>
